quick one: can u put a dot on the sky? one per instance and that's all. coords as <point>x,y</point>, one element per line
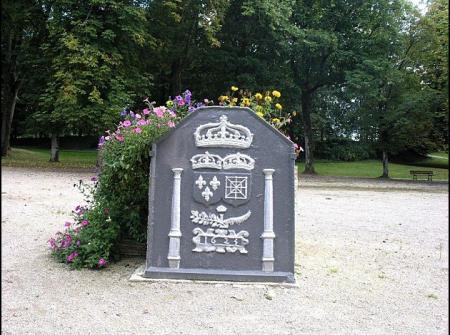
<point>421,4</point>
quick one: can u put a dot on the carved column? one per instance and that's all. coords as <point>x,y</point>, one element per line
<point>268,235</point>
<point>175,232</point>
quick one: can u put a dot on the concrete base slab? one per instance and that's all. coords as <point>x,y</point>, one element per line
<point>138,276</point>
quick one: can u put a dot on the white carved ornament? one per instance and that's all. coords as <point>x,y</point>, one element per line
<point>232,161</point>
<point>223,134</point>
<point>219,238</point>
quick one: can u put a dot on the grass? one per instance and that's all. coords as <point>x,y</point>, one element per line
<point>39,158</point>
<point>370,169</point>
<point>86,159</point>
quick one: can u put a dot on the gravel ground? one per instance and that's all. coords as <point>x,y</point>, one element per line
<point>371,258</point>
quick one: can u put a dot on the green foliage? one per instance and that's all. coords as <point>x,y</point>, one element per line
<point>124,177</point>
<point>344,150</point>
<point>95,68</point>
<point>88,240</point>
<point>118,203</point>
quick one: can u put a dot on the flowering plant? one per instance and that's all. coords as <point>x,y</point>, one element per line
<point>266,106</point>
<point>117,203</point>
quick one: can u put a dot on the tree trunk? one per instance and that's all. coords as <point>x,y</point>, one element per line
<point>8,109</point>
<point>175,78</point>
<point>385,165</point>
<point>306,114</point>
<point>54,156</point>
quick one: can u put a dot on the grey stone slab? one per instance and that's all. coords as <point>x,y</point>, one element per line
<point>221,200</point>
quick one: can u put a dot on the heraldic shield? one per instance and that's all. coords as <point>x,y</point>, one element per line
<point>231,188</point>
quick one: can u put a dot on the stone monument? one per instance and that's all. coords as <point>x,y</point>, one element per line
<point>221,200</point>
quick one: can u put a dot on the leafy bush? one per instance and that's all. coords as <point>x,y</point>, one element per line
<point>344,150</point>
<point>117,203</point>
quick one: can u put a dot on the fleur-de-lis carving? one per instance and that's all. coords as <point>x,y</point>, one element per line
<point>214,183</point>
<point>200,182</point>
<point>207,194</point>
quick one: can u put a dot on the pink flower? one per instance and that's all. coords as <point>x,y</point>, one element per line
<point>126,123</point>
<point>101,262</point>
<point>67,224</point>
<point>146,111</point>
<point>141,122</point>
<point>159,111</point>
<point>138,116</point>
<point>107,138</point>
<point>120,138</point>
<point>84,223</point>
<point>171,124</point>
<point>71,257</point>
<point>94,178</point>
<point>137,130</point>
<point>172,113</point>
<point>78,243</point>
<point>52,243</point>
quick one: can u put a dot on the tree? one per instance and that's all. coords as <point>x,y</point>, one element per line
<point>182,31</point>
<point>95,70</point>
<point>22,29</point>
<point>391,100</point>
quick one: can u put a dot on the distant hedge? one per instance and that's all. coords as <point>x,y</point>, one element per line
<point>67,142</point>
<point>344,150</point>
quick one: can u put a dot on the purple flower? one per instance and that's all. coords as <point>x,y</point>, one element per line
<point>101,262</point>
<point>84,223</point>
<point>78,243</point>
<point>94,178</point>
<point>101,141</point>
<point>66,241</point>
<point>123,113</point>
<point>71,257</point>
<point>187,97</point>
<point>52,243</point>
<point>67,224</point>
<point>180,101</point>
<point>132,114</point>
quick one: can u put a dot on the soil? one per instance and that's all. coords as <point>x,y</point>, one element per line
<point>371,258</point>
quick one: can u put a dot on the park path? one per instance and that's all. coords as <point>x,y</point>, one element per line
<point>369,260</point>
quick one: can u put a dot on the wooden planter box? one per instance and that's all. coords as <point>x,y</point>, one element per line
<point>132,248</point>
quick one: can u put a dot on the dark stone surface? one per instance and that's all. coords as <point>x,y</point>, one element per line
<point>270,150</point>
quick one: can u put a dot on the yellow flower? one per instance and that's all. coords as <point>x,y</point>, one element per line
<point>246,102</point>
<point>294,113</point>
<point>223,98</point>
<point>260,114</point>
<point>268,99</point>
<point>276,94</point>
<point>169,103</point>
<point>235,100</point>
<point>234,88</point>
<point>259,109</point>
<point>278,106</point>
<point>275,120</point>
<point>258,96</point>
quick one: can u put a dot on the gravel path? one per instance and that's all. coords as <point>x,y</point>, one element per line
<point>372,258</point>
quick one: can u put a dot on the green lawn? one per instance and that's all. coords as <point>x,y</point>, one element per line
<point>39,158</point>
<point>371,169</point>
<point>86,159</point>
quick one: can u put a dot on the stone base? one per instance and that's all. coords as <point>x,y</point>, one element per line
<point>138,276</point>
<point>218,275</point>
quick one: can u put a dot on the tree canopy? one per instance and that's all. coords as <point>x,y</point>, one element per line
<point>375,72</point>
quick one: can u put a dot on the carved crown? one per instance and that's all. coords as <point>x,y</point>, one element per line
<point>223,134</point>
<point>206,160</point>
<point>238,161</point>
